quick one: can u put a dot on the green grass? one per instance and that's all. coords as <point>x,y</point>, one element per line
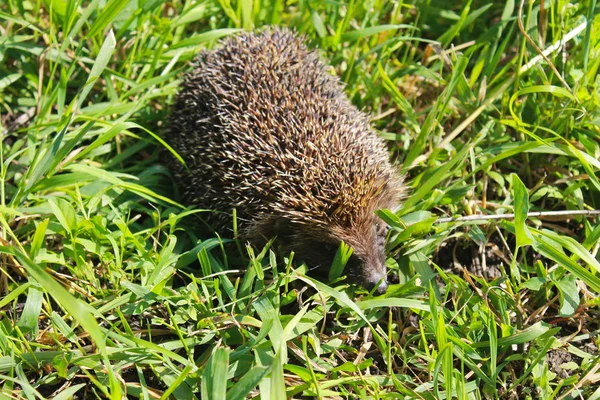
<point>108,287</point>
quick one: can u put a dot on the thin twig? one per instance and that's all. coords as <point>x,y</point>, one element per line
<point>481,217</point>
<point>551,49</point>
<point>498,92</point>
<point>539,51</point>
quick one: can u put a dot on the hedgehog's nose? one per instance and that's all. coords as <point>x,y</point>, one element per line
<point>382,288</point>
<point>383,285</point>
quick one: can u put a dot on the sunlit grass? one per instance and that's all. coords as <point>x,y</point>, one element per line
<point>110,287</point>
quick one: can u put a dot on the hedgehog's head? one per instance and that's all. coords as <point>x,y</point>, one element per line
<point>317,245</point>
<point>366,265</point>
<point>314,222</point>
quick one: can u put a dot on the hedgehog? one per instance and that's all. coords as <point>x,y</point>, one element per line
<point>264,128</point>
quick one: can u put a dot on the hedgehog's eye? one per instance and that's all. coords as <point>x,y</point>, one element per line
<point>381,235</point>
<point>329,247</point>
<point>382,229</point>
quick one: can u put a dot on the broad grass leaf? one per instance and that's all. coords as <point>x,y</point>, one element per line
<point>265,328</point>
<point>205,265</point>
<point>527,335</point>
<point>586,162</point>
<point>102,60</point>
<point>14,294</point>
<point>566,150</point>
<point>308,321</point>
<point>508,10</point>
<point>443,363</point>
<point>246,383</point>
<point>63,327</point>
<point>422,267</point>
<point>268,314</point>
<point>192,255</point>
<point>569,295</point>
<point>550,245</point>
<point>19,21</point>
<point>9,79</point>
<point>117,128</point>
<point>534,283</point>
<point>39,238</point>
<point>318,24</point>
<point>40,168</point>
<point>28,390</point>
<point>246,14</point>
<point>65,152</point>
<point>503,151</point>
<point>71,14</point>
<point>477,235</point>
<point>569,149</point>
<point>64,213</point>
<point>214,382</point>
<point>108,108</point>
<point>304,373</point>
<point>393,302</point>
<point>416,229</point>
<point>165,268</point>
<point>342,256</point>
<point>211,265</point>
<point>290,327</point>
<point>463,22</point>
<point>256,262</point>
<point>69,393</point>
<point>105,135</point>
<point>592,238</point>
<point>83,18</point>
<point>31,311</point>
<point>444,348</point>
<point>390,218</point>
<point>374,30</point>
<point>107,14</point>
<point>8,363</point>
<point>201,38</point>
<point>264,357</point>
<point>61,92</point>
<point>245,288</point>
<point>276,375</point>
<point>521,209</point>
<point>10,212</point>
<point>195,13</point>
<point>174,380</point>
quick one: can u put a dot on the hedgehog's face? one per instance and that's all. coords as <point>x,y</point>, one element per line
<point>318,248</point>
<point>367,264</point>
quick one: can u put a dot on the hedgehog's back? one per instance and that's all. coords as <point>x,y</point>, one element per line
<point>265,129</point>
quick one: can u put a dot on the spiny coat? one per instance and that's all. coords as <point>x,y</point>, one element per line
<point>265,128</point>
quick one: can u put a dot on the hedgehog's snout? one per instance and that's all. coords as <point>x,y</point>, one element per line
<point>378,279</point>
<point>382,288</point>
